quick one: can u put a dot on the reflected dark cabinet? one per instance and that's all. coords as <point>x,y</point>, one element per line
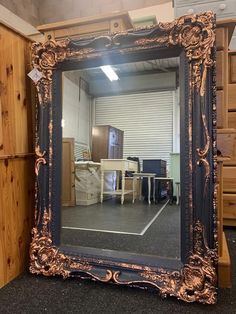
<point>157,166</point>
<point>107,143</point>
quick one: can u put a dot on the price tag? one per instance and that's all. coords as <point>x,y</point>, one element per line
<point>35,75</point>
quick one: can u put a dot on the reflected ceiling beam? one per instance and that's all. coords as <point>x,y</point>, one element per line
<point>134,84</point>
<point>99,76</point>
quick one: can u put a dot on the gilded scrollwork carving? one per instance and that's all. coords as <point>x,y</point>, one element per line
<point>45,258</point>
<point>196,281</point>
<point>196,34</point>
<point>39,160</point>
<point>203,152</point>
<point>46,56</point>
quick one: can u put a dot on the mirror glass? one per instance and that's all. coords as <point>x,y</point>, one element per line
<point>120,187</point>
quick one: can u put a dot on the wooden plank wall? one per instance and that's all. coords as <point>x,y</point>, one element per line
<point>16,155</point>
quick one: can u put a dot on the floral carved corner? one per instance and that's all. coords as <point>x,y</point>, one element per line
<point>46,57</point>
<point>196,281</point>
<point>195,33</point>
<point>45,258</point>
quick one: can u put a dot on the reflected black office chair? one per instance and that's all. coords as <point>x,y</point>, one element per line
<point>130,173</point>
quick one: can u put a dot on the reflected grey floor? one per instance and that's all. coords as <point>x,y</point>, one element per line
<point>33,294</point>
<point>111,216</point>
<point>162,238</point>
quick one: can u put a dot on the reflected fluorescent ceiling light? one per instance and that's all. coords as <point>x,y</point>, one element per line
<point>110,73</point>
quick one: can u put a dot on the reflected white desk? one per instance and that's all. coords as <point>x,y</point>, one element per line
<point>149,176</point>
<point>177,192</point>
<point>121,165</point>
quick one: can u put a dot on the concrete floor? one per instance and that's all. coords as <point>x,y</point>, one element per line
<point>111,216</point>
<point>135,228</point>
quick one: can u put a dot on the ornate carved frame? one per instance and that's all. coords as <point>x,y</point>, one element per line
<point>193,38</point>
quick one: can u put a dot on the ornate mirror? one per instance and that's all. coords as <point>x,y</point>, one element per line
<point>126,165</point>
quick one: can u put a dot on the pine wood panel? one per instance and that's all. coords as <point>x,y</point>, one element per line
<point>230,222</point>
<point>232,119</point>
<point>102,24</point>
<point>220,109</point>
<point>16,158</point>
<point>15,93</point>
<point>232,97</point>
<point>220,38</point>
<point>220,66</point>
<point>225,142</point>
<point>220,206</point>
<point>232,124</point>
<point>224,267</point>
<point>77,31</point>
<point>1,131</point>
<point>230,206</point>
<point>232,160</point>
<point>16,203</point>
<point>232,67</point>
<point>229,179</point>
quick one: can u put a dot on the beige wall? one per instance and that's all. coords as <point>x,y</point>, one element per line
<point>26,9</point>
<point>37,12</point>
<point>54,10</point>
<point>164,12</point>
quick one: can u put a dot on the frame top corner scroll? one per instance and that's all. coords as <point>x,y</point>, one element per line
<point>194,33</point>
<point>196,280</point>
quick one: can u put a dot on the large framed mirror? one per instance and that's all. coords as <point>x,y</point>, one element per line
<point>126,158</point>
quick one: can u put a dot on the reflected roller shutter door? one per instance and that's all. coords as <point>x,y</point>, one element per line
<point>146,119</point>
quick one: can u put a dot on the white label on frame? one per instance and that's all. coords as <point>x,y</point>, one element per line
<point>35,75</point>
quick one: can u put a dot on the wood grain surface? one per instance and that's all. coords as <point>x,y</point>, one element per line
<point>16,158</point>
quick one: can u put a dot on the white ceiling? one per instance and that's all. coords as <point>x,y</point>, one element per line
<point>142,67</point>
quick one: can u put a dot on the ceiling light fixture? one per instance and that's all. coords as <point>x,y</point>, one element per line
<point>110,73</point>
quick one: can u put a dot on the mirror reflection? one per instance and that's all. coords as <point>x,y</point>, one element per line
<point>120,185</point>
